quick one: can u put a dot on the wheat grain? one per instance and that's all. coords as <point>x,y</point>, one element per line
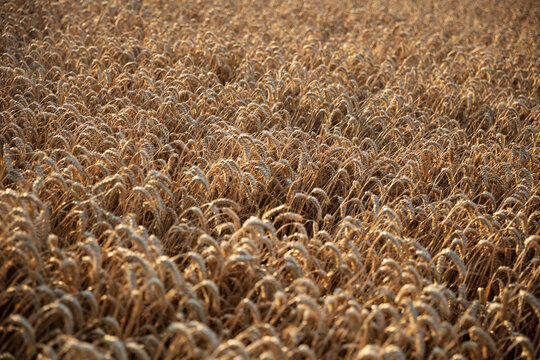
<point>177,181</point>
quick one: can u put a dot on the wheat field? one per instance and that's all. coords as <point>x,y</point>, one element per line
<point>269,180</point>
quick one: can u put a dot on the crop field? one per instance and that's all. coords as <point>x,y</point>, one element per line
<point>269,179</point>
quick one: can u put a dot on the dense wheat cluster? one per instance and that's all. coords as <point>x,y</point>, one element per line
<point>269,180</point>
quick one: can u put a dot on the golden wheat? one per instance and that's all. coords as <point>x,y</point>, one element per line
<point>283,179</point>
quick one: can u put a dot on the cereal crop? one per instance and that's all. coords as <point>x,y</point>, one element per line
<point>230,179</point>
